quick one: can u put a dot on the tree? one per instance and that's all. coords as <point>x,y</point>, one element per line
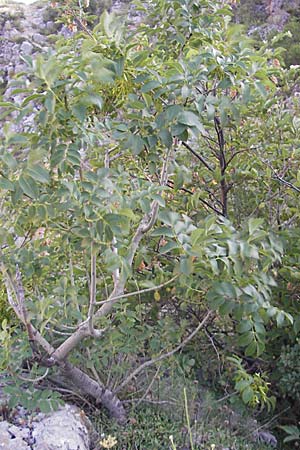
<point>116,198</point>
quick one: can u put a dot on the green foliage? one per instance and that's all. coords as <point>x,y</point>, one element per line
<point>290,43</point>
<point>152,427</point>
<point>289,371</point>
<point>293,433</point>
<point>111,109</point>
<point>254,389</point>
<point>30,398</point>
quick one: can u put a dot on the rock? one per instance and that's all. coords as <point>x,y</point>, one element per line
<point>9,440</point>
<point>26,48</point>
<point>66,429</point>
<point>265,437</point>
<point>39,38</point>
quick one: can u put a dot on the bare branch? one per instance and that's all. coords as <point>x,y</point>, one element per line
<point>149,387</point>
<point>34,380</point>
<point>11,293</point>
<point>286,183</point>
<point>93,284</point>
<point>85,329</point>
<point>146,224</point>
<point>116,156</point>
<point>153,361</point>
<point>197,155</point>
<point>142,291</point>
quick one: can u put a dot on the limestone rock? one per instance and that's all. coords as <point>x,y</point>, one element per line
<point>10,438</point>
<point>66,429</point>
<point>26,48</point>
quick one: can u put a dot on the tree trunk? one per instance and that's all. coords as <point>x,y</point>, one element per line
<point>99,392</point>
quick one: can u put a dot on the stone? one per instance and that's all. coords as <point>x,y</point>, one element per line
<point>9,441</point>
<point>26,48</point>
<point>66,429</point>
<point>39,38</point>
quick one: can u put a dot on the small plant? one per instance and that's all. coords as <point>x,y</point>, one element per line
<point>254,389</point>
<point>108,442</point>
<point>292,431</point>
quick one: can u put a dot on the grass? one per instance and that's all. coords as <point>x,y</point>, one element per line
<point>154,428</point>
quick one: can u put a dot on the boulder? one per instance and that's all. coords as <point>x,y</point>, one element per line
<point>11,437</point>
<point>66,429</point>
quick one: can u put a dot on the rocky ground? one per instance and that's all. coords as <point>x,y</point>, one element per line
<point>66,429</point>
<point>23,31</point>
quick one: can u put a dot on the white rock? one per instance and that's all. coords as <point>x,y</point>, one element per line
<point>26,48</point>
<point>66,429</point>
<point>8,442</point>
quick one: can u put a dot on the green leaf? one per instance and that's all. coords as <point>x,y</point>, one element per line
<point>171,245</point>
<point>169,217</point>
<point>242,385</point>
<point>116,219</point>
<point>191,119</point>
<point>18,139</point>
<point>252,348</point>
<point>166,138</point>
<point>245,339</point>
<point>58,155</point>
<point>186,265</point>
<point>297,325</point>
<point>102,74</point>
<point>8,105</point>
<point>163,231</point>
<point>32,97</point>
<point>280,318</point>
<point>135,143</point>
<point>259,328</point>
<point>254,224</point>
<point>150,86</point>
<point>39,173</point>
<point>227,307</point>
<point>79,111</point>
<point>247,395</point>
<point>244,325</point>
<point>50,102</point>
<point>6,184</point>
<point>215,300</point>
<point>29,186</point>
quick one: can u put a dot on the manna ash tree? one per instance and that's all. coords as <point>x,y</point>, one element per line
<point>125,203</point>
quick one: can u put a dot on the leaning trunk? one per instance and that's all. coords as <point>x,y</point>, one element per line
<point>96,390</point>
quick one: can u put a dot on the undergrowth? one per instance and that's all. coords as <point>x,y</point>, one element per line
<point>216,427</point>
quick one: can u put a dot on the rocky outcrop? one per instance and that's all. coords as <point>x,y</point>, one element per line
<point>23,32</point>
<point>66,429</point>
<point>12,438</point>
<point>279,11</point>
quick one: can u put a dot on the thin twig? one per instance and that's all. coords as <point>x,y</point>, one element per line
<point>286,183</point>
<point>149,387</point>
<point>164,355</point>
<point>215,349</point>
<point>92,290</point>
<point>269,421</point>
<point>92,367</point>
<point>34,380</point>
<point>142,291</point>
<point>197,155</point>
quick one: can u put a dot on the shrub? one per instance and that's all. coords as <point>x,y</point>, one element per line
<point>289,370</point>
